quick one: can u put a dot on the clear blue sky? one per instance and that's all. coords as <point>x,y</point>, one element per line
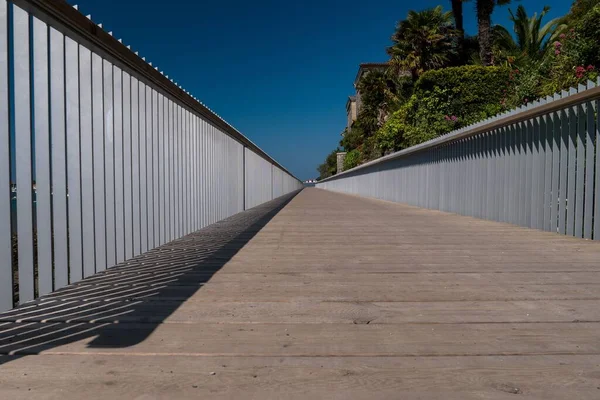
<point>278,71</point>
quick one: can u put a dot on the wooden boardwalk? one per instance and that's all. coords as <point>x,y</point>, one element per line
<point>334,297</point>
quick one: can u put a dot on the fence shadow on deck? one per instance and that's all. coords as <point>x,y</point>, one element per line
<point>141,292</point>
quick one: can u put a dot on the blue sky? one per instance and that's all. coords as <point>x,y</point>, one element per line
<point>278,71</point>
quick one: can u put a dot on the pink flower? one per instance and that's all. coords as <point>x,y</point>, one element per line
<point>562,36</point>
<point>590,67</point>
<point>557,44</point>
<point>557,52</point>
<point>453,118</point>
<point>579,72</point>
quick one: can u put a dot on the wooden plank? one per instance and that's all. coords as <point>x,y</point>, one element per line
<point>151,310</point>
<point>306,340</point>
<point>188,377</point>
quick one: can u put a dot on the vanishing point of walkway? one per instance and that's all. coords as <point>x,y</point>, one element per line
<point>322,295</point>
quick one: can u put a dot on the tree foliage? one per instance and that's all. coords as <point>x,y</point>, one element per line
<point>444,100</point>
<point>424,40</point>
<point>353,159</point>
<point>329,167</point>
<point>514,65</point>
<point>532,38</point>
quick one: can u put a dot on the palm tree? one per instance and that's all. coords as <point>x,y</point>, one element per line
<point>423,41</point>
<point>532,38</point>
<point>484,9</point>
<point>457,13</point>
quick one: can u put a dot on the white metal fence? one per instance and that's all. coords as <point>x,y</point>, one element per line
<point>105,158</point>
<point>537,166</point>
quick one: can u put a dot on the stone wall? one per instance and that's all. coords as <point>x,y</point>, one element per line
<point>340,161</point>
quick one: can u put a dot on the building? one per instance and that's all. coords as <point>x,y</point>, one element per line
<point>353,104</point>
<point>363,70</point>
<point>351,111</point>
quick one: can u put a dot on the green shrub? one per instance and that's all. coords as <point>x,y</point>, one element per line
<point>451,98</point>
<point>464,92</point>
<point>353,159</point>
<point>444,100</point>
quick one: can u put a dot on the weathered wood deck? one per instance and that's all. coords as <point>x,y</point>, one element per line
<point>336,297</point>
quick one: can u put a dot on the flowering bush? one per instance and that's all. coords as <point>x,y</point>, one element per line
<point>567,65</point>
<point>576,55</point>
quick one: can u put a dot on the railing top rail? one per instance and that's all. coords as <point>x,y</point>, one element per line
<point>534,109</point>
<point>75,22</point>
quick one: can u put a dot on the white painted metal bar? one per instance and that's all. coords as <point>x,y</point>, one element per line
<point>73,160</point>
<point>176,171</point>
<point>43,200</point>
<point>149,172</point>
<point>109,163</point>
<point>98,158</point>
<point>161,157</point>
<point>589,170</point>
<point>580,170</point>
<point>548,140</point>
<point>135,165</point>
<point>571,171</point>
<point>186,173</point>
<point>58,159</point>
<point>127,166</point>
<point>596,234</point>
<point>6,274</point>
<point>171,176</point>
<point>118,146</point>
<point>87,161</point>
<point>155,169</point>
<point>142,182</point>
<point>564,154</point>
<point>23,133</point>
<point>556,156</point>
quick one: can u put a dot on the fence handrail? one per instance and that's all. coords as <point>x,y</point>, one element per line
<point>72,20</point>
<point>534,109</point>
